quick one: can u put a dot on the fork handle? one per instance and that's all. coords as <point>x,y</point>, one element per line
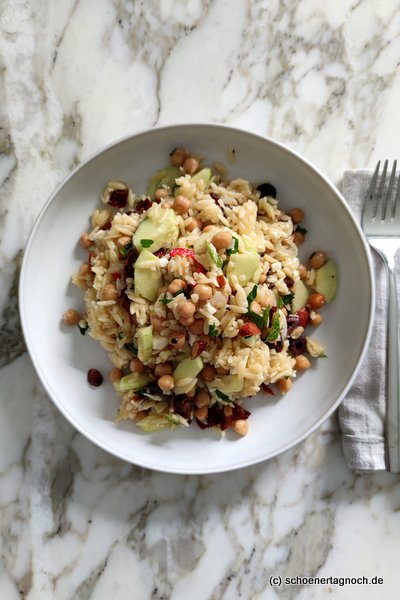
<point>393,407</point>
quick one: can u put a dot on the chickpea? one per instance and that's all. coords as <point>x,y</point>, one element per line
<point>263,278</point>
<point>241,427</point>
<point>298,238</point>
<point>201,413</point>
<point>85,269</point>
<point>202,399</point>
<point>181,205</point>
<point>302,363</point>
<point>187,322</point>
<point>228,411</point>
<point>109,292</point>
<point>157,322</point>
<point>284,385</point>
<point>222,240</point>
<point>136,365</point>
<point>191,393</point>
<point>316,319</point>
<point>197,328</point>
<point>163,369</point>
<point>194,224</point>
<point>85,240</point>
<point>123,241</point>
<point>317,259</point>
<point>296,214</point>
<point>203,291</point>
<point>222,371</point>
<point>178,339</point>
<point>303,271</point>
<point>185,309</point>
<point>176,285</point>
<point>160,194</point>
<point>178,157</point>
<point>208,373</point>
<point>115,374</point>
<point>315,301</point>
<point>209,228</point>
<point>190,165</point>
<point>71,317</point>
<point>166,383</point>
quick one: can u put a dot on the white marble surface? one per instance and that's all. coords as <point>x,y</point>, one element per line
<point>76,523</point>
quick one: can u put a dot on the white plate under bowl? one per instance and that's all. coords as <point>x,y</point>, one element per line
<point>62,356</point>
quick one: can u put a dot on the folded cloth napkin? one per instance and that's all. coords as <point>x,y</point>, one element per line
<point>362,413</point>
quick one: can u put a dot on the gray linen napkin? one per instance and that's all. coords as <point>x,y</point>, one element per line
<point>362,412</point>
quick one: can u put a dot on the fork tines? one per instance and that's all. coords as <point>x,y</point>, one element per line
<point>383,202</point>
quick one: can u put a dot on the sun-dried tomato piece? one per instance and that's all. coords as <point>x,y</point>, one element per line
<point>249,328</point>
<point>143,205</point>
<point>183,407</point>
<point>201,424</point>
<point>94,377</point>
<point>188,253</point>
<point>214,415</point>
<point>106,226</point>
<point>221,281</point>
<point>238,412</point>
<point>161,252</point>
<point>267,390</point>
<point>118,198</point>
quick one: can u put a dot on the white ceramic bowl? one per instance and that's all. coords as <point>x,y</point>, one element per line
<point>62,357</point>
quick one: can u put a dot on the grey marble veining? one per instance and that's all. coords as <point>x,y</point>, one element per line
<point>76,523</point>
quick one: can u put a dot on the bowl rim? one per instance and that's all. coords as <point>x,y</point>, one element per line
<point>30,345</point>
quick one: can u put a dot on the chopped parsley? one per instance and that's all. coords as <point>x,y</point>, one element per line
<point>124,251</point>
<point>273,333</point>
<point>300,229</point>
<point>181,291</point>
<point>146,243</point>
<point>252,295</point>
<point>212,331</point>
<point>235,248</point>
<point>222,396</point>
<point>213,254</point>
<point>286,299</point>
<point>130,347</point>
<point>165,300</point>
<point>84,329</point>
<point>260,320</point>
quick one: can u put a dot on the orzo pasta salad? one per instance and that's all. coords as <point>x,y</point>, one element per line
<point>197,293</point>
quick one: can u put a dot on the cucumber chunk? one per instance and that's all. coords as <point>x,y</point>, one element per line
<point>163,177</point>
<point>146,281</point>
<point>326,280</point>
<point>134,381</point>
<point>186,372</point>
<point>145,343</point>
<point>160,226</point>
<point>203,175</point>
<point>243,266</point>
<point>301,294</point>
<point>230,384</point>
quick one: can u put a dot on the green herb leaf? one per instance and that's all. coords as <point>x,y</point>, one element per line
<point>235,248</point>
<point>260,320</point>
<point>286,299</point>
<point>83,330</point>
<point>213,254</point>
<point>252,295</point>
<point>124,251</point>
<point>223,396</point>
<point>146,243</point>
<point>165,300</point>
<point>181,291</point>
<point>212,331</point>
<point>130,347</point>
<point>273,333</point>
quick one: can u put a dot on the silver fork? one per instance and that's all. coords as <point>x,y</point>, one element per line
<point>381,225</point>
